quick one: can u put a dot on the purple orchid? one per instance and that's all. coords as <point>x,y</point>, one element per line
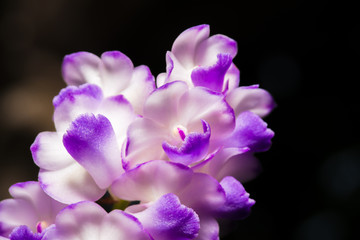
<point>114,72</point>
<point>179,124</point>
<point>29,213</point>
<point>209,198</point>
<point>177,154</point>
<point>200,60</point>
<point>82,158</point>
<point>165,219</point>
<point>195,127</point>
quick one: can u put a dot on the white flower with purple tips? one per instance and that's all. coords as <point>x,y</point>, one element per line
<point>82,158</point>
<point>29,213</point>
<point>201,60</point>
<point>114,72</point>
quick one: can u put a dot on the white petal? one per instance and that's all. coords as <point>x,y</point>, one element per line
<point>48,151</point>
<point>81,67</point>
<point>71,184</point>
<point>116,70</point>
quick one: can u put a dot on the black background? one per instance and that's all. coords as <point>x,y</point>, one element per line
<point>305,53</point>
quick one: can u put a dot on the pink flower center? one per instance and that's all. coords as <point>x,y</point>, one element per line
<point>40,226</point>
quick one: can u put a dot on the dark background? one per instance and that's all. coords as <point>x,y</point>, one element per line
<point>305,53</point>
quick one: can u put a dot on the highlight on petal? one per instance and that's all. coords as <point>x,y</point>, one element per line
<point>92,143</point>
<point>88,221</point>
<point>194,147</point>
<point>184,46</point>
<point>238,204</point>
<point>251,98</point>
<point>168,219</point>
<point>149,181</point>
<point>81,67</point>
<point>115,71</point>
<point>71,184</point>
<point>212,77</point>
<point>252,132</point>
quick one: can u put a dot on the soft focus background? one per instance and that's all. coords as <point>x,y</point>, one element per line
<point>305,53</point>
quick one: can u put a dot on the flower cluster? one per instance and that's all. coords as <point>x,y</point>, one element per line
<point>168,156</point>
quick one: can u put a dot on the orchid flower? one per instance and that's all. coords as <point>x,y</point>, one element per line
<point>200,60</point>
<point>75,168</point>
<point>114,72</point>
<point>209,198</point>
<point>30,212</point>
<point>165,219</point>
<point>191,126</point>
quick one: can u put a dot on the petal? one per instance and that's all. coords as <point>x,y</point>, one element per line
<point>184,46</point>
<point>69,185</point>
<point>208,49</point>
<point>212,77</point>
<point>193,149</point>
<point>87,220</point>
<point>149,181</point>
<point>73,101</point>
<point>215,161</point>
<point>238,204</point>
<point>92,143</point>
<point>231,79</point>
<point>81,67</point>
<point>252,132</point>
<point>46,208</point>
<point>162,105</point>
<point>209,229</point>
<point>168,219</point>
<point>120,113</point>
<point>115,71</point>
<point>243,167</point>
<point>203,194</point>
<point>199,103</point>
<point>49,153</point>
<point>141,85</point>
<point>160,79</point>
<point>78,221</point>
<point>176,71</point>
<point>143,143</point>
<point>120,225</point>
<point>252,99</point>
